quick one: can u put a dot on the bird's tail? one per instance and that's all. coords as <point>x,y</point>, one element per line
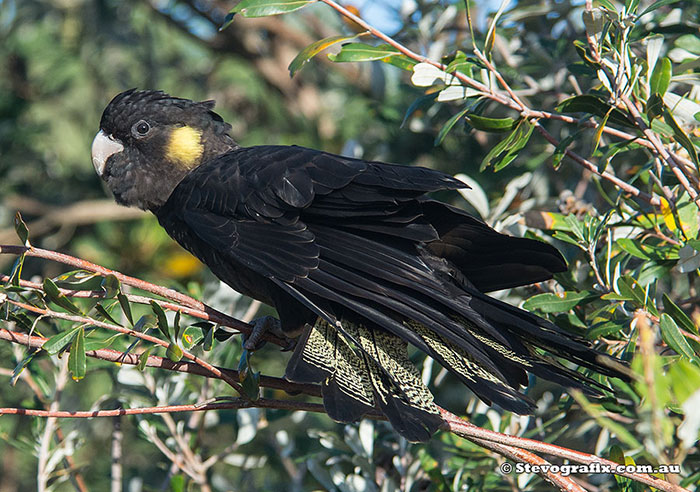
<point>362,371</point>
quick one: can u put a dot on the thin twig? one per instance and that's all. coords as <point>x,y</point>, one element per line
<point>209,313</point>
<point>127,331</point>
<point>33,341</point>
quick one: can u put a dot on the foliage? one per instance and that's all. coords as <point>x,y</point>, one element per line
<point>573,123</point>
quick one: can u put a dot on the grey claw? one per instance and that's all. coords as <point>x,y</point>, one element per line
<point>266,324</point>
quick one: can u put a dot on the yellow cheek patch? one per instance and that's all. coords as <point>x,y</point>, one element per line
<point>185,146</point>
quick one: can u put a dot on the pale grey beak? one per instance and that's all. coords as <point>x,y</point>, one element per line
<point>104,146</point>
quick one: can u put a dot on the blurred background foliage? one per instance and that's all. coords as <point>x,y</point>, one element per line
<point>63,60</point>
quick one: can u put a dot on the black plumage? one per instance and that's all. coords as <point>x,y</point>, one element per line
<point>354,256</point>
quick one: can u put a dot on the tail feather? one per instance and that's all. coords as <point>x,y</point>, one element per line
<point>356,379</point>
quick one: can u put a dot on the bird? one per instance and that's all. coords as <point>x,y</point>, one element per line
<point>355,256</point>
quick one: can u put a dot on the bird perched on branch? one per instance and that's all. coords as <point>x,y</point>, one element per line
<point>357,260</point>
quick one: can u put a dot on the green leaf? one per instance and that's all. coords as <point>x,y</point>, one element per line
<point>608,5</point>
<point>77,361</point>
<point>176,327</point>
<point>191,336</point>
<point>126,307</point>
<point>655,106</point>
<point>657,5</point>
<point>448,126</point>
<point>588,103</point>
<point>110,284</point>
<point>633,248</point>
<point>557,303</point>
<point>674,338</point>
<point>17,371</point>
<point>661,77</point>
<point>94,344</point>
<point>617,455</point>
<point>16,273</point>
<point>606,328</point>
<point>174,352</point>
<point>21,230</point>
<point>54,344</point>
<point>209,339</point>
<point>685,379</point>
<point>596,139</point>
<point>143,358</point>
<point>464,64</point>
<point>177,483</point>
<point>507,150</point>
<point>144,323</point>
<point>681,137</point>
<point>105,314</point>
<point>79,280</point>
<point>356,52</point>
<point>314,49</point>
<point>678,315</point>
<point>263,8</point>
<point>162,321</point>
<point>249,379</point>
<point>419,103</point>
<point>630,289</point>
<point>59,299</point>
<point>495,125</point>
<point>560,150</point>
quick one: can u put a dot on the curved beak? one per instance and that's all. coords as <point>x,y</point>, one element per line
<point>103,147</point>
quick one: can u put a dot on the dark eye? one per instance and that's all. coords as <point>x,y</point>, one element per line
<point>142,128</point>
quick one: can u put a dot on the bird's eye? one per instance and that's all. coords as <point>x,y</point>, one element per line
<point>142,128</point>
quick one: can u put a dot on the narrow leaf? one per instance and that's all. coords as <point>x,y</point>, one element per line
<point>556,303</point>
<point>263,8</point>
<point>162,321</point>
<point>678,315</point>
<point>314,49</point>
<point>356,52</point>
<point>105,314</point>
<point>21,229</point>
<point>17,371</point>
<point>681,137</point>
<point>92,344</point>
<point>54,344</point>
<point>110,284</point>
<point>496,125</point>
<point>657,5</point>
<point>655,106</point>
<point>57,298</point>
<point>143,359</point>
<point>588,103</point>
<point>176,327</point>
<point>419,103</point>
<point>674,338</point>
<point>77,361</point>
<point>126,307</point>
<point>448,126</point>
<point>661,77</point>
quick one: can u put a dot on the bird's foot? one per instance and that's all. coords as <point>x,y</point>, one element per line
<point>262,326</point>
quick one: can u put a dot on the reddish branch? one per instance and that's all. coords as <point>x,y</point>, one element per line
<point>33,341</point>
<point>229,405</point>
<point>127,331</point>
<point>188,305</point>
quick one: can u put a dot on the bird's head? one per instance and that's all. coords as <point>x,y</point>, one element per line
<point>148,141</point>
